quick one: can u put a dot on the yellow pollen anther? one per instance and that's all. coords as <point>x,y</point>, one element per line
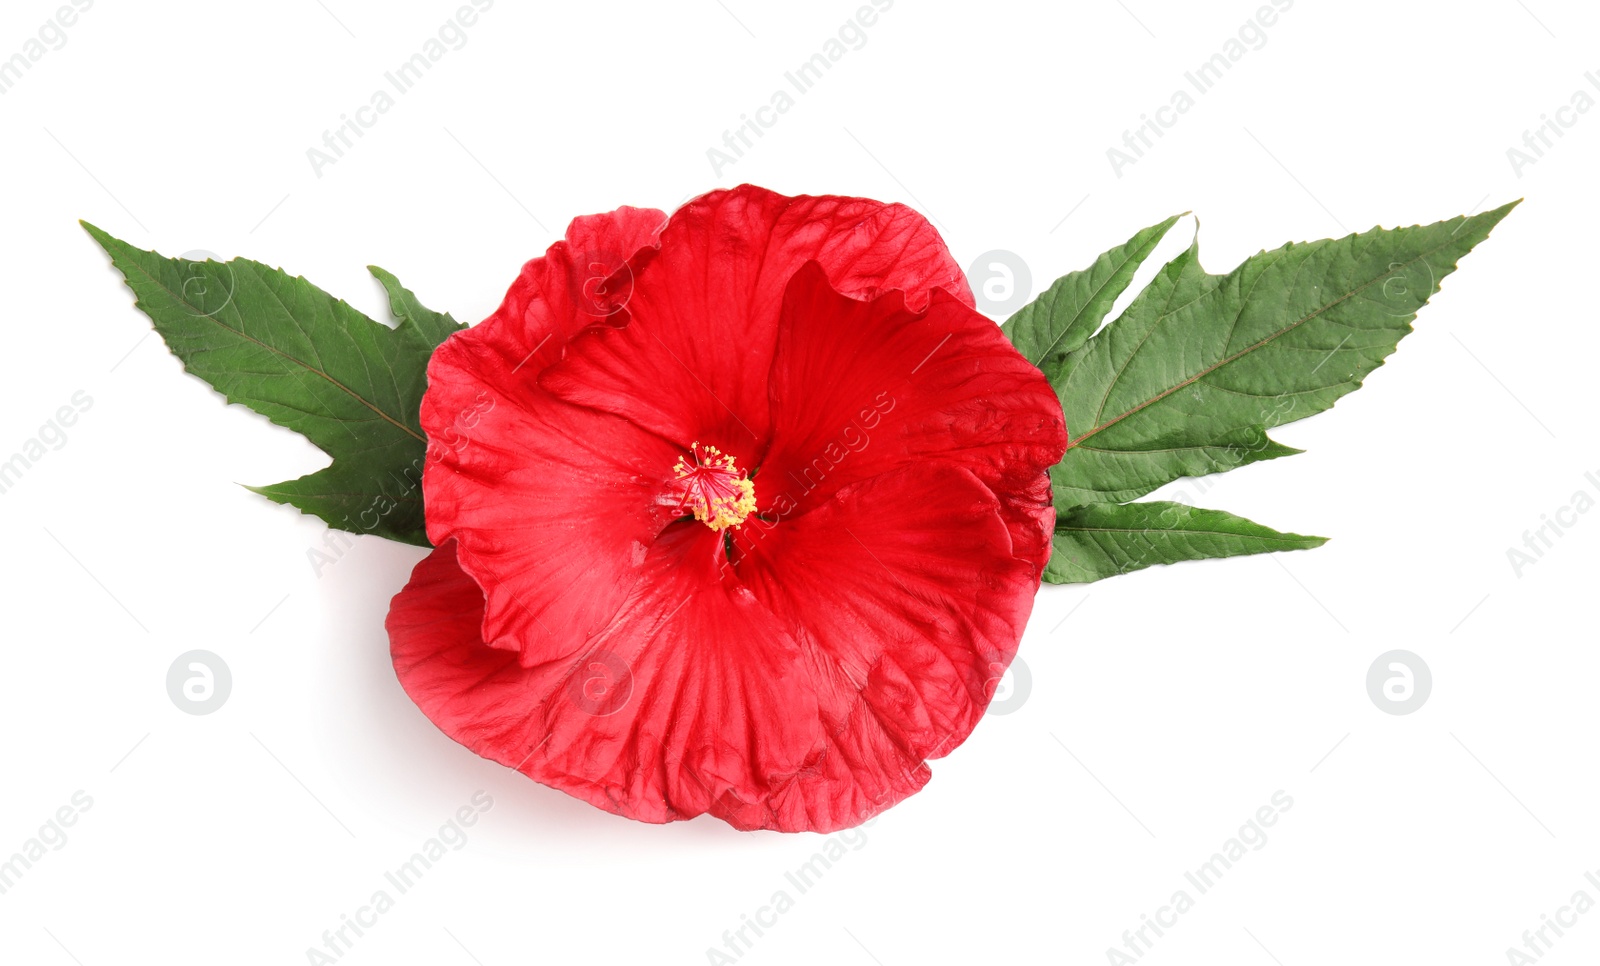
<point>713,487</point>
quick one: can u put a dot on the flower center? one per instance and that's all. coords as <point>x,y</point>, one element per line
<point>713,487</point>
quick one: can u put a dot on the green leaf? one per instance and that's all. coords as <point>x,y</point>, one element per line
<point>1111,475</point>
<point>1068,312</point>
<point>1097,474</point>
<point>1190,377</point>
<point>1105,539</point>
<point>310,362</point>
<point>412,317</point>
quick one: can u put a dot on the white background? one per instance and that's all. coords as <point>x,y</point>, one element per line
<point>1164,710</point>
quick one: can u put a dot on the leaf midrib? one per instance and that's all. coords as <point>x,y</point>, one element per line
<point>1166,310</point>
<point>1251,348</point>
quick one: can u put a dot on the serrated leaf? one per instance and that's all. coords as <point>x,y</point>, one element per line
<point>1067,313</point>
<point>1190,377</point>
<point>1099,475</point>
<point>412,318</point>
<point>1102,540</point>
<point>310,362</point>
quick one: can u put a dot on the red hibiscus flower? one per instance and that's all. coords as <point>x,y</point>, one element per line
<point>741,512</point>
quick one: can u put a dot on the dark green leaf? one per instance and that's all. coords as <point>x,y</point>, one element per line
<point>1098,475</point>
<point>308,361</point>
<point>427,325</point>
<point>1105,539</point>
<point>1190,377</point>
<point>1067,313</point>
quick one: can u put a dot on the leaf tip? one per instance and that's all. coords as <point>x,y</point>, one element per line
<point>1494,215</point>
<point>97,233</point>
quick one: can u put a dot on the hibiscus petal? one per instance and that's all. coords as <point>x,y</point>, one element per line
<point>554,509</point>
<point>692,701</point>
<point>702,319</point>
<point>478,695</point>
<point>720,713</point>
<point>516,475</point>
<point>861,388</point>
<point>568,287</point>
<point>909,604</point>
